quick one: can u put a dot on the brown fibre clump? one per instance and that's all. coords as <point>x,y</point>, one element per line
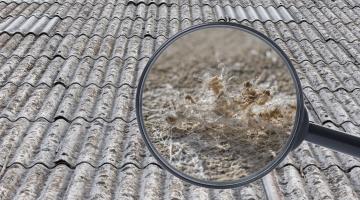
<point>219,119</point>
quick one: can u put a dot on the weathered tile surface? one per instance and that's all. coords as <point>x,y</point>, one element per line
<point>108,182</point>
<point>68,74</point>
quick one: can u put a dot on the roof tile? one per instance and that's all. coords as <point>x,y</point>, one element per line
<point>253,13</point>
<point>75,76</point>
<point>108,182</point>
<point>297,187</point>
<point>74,102</point>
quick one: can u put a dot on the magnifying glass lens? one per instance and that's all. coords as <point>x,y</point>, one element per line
<point>218,104</point>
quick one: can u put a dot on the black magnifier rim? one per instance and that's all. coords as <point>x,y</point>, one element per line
<point>254,176</point>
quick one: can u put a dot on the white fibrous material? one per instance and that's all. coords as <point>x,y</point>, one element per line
<point>219,115</point>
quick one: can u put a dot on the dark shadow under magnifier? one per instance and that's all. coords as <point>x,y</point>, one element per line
<point>220,105</point>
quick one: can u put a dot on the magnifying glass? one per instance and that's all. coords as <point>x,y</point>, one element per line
<point>220,105</point>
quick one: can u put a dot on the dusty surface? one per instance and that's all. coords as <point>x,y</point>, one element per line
<point>219,104</point>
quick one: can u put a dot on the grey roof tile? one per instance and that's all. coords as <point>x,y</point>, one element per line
<point>83,72</point>
<point>324,14</point>
<point>297,14</point>
<point>70,151</point>
<point>80,47</point>
<point>114,27</point>
<point>284,34</point>
<point>253,13</point>
<point>332,17</point>
<point>302,31</point>
<point>338,3</point>
<point>92,2</point>
<point>322,30</point>
<point>108,182</point>
<point>351,14</point>
<point>353,48</point>
<point>352,3</point>
<point>355,30</point>
<point>315,51</point>
<point>30,25</point>
<point>281,2</point>
<point>309,154</point>
<point>109,11</point>
<point>281,26</point>
<point>264,3</point>
<point>307,15</point>
<point>333,76</point>
<point>285,31</point>
<point>134,27</point>
<point>356,10</point>
<point>341,15</point>
<point>49,103</point>
<point>338,107</point>
<point>340,32</point>
<point>96,143</point>
<point>76,79</point>
<point>331,183</point>
<point>51,10</point>
<point>99,143</point>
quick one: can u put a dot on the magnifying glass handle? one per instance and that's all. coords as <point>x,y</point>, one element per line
<point>333,139</point>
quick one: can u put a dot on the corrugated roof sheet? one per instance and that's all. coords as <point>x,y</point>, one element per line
<point>109,11</point>
<point>68,72</point>
<point>50,103</point>
<point>107,182</point>
<point>100,72</point>
<point>250,13</point>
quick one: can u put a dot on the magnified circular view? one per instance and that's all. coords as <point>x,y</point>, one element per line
<point>219,104</point>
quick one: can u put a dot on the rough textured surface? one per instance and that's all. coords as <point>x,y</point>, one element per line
<point>108,182</point>
<point>68,72</point>
<point>223,113</point>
